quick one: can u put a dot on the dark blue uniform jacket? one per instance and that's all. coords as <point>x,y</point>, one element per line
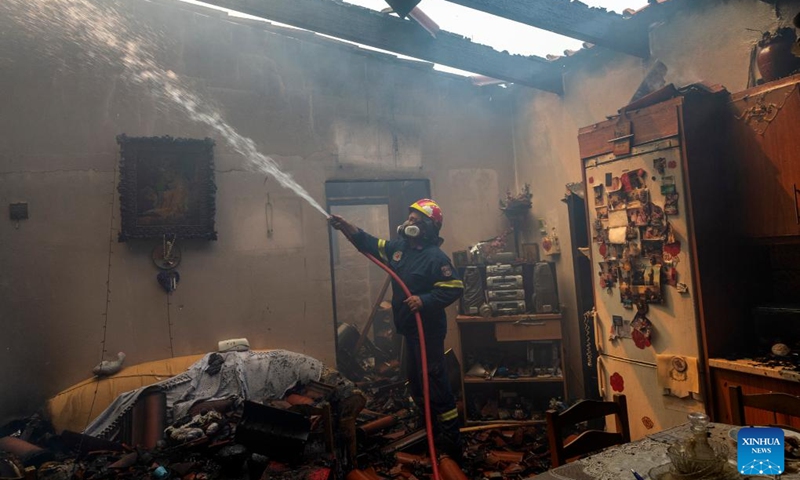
<point>426,271</point>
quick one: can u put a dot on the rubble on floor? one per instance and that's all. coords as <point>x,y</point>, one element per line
<point>327,429</point>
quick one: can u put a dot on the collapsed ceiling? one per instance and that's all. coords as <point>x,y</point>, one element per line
<point>383,30</point>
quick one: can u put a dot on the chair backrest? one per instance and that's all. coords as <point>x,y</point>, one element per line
<point>776,403</point>
<point>590,440</point>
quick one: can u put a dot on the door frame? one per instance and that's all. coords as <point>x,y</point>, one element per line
<point>397,194</point>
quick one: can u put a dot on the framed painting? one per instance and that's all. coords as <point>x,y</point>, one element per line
<point>166,187</point>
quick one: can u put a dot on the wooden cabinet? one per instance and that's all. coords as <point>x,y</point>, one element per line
<point>765,148</point>
<point>750,383</point>
<point>512,366</point>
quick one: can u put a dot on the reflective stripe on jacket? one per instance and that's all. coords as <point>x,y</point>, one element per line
<point>426,271</point>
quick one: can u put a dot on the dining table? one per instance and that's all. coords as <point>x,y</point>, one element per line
<point>616,463</point>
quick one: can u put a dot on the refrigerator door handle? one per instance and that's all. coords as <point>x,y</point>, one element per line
<point>598,336</point>
<point>601,385</point>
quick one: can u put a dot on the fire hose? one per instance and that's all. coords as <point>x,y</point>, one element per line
<point>424,360</point>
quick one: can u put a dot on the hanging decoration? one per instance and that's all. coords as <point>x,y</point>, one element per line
<point>641,331</point>
<point>166,255</point>
<point>168,279</point>
<point>550,243</point>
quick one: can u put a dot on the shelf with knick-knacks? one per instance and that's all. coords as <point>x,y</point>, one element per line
<point>512,366</point>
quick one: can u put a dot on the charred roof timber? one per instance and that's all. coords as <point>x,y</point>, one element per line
<point>402,7</point>
<point>361,25</point>
<point>572,19</point>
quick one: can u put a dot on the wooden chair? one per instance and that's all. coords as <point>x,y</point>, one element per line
<point>776,403</point>
<point>590,440</point>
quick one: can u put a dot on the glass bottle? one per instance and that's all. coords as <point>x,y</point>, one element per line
<point>698,445</point>
<point>697,453</point>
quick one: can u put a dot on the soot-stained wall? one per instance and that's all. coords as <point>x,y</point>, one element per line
<point>70,294</point>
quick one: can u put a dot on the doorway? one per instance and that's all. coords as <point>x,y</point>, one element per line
<point>582,273</point>
<point>377,207</point>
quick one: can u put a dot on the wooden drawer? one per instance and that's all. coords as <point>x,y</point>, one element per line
<point>527,330</point>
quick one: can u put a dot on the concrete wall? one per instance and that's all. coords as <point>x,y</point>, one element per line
<point>70,294</point>
<point>710,41</point>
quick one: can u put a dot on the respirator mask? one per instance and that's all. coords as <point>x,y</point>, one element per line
<point>409,230</point>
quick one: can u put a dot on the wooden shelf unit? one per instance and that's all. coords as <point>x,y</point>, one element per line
<point>513,334</point>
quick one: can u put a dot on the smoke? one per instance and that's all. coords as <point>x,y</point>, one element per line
<point>103,35</point>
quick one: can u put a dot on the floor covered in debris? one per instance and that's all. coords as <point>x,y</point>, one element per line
<point>331,428</point>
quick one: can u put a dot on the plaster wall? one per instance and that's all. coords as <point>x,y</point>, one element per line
<point>707,41</point>
<point>71,295</point>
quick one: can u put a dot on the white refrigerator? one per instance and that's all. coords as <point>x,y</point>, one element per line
<point>646,327</point>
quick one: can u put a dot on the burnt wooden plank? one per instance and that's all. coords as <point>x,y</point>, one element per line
<point>361,25</point>
<point>648,125</point>
<point>572,19</point>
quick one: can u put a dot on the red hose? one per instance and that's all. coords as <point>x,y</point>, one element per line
<point>424,359</point>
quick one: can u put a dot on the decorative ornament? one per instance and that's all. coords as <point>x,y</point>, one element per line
<point>550,244</point>
<point>672,249</point>
<point>627,303</point>
<point>648,423</point>
<point>642,331</point>
<point>617,382</point>
<point>166,255</point>
<point>678,369</point>
<point>168,279</point>
<point>642,307</point>
<point>660,164</point>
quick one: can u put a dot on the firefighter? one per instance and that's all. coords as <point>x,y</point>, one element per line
<point>434,284</point>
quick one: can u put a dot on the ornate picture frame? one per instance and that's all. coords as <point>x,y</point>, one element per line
<point>166,187</point>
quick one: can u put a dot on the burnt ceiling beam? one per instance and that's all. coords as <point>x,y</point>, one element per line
<point>572,19</point>
<point>368,27</point>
